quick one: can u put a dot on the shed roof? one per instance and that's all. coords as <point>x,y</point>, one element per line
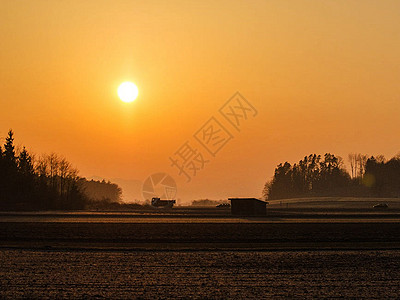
<point>248,199</point>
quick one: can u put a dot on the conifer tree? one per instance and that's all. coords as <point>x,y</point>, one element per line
<point>25,165</point>
<point>9,148</point>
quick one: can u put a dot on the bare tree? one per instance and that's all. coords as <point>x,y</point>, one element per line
<point>357,164</point>
<point>362,160</point>
<point>340,163</point>
<point>353,163</point>
<point>380,158</point>
<point>53,163</point>
<point>41,166</point>
<point>64,168</point>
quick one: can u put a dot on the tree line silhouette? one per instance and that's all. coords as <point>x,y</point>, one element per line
<point>47,182</point>
<point>321,176</point>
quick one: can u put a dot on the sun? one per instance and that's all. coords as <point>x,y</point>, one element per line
<point>128,91</point>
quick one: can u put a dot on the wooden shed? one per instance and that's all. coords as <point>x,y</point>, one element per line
<point>248,207</point>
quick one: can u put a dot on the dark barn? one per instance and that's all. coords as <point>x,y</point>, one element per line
<point>248,207</point>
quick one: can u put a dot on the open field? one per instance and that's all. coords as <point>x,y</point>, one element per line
<point>204,236</point>
<point>335,204</point>
<point>304,227</point>
<point>199,275</point>
<point>304,252</point>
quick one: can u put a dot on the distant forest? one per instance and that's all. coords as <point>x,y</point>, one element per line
<point>317,176</point>
<point>47,182</point>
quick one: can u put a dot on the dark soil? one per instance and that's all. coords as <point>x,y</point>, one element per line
<point>50,234</point>
<point>199,275</point>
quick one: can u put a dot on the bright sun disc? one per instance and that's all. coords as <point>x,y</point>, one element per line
<point>128,91</point>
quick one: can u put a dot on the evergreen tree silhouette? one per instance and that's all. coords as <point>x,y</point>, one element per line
<point>25,165</point>
<point>9,148</point>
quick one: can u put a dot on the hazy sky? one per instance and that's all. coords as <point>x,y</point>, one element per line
<point>323,76</point>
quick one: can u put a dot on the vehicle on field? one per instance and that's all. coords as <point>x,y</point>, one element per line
<point>157,202</point>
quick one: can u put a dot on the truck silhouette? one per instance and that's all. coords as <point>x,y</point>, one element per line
<point>157,202</point>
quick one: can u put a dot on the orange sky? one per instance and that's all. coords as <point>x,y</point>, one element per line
<point>323,75</point>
